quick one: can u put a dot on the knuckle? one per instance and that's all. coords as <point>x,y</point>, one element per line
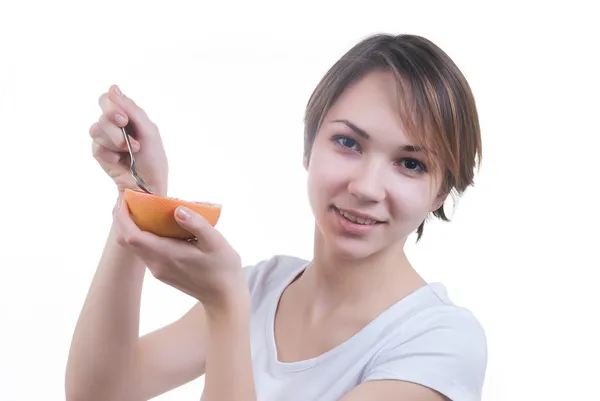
<point>159,271</point>
<point>104,121</point>
<point>153,127</point>
<point>96,129</point>
<point>104,101</point>
<point>93,131</point>
<point>184,259</point>
<point>120,143</point>
<point>121,240</point>
<point>131,240</point>
<point>110,129</point>
<point>97,150</point>
<point>131,103</point>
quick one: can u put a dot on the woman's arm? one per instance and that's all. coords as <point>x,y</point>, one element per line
<point>229,374</point>
<point>107,359</point>
<point>103,346</point>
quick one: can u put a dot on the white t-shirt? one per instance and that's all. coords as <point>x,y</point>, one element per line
<point>423,338</point>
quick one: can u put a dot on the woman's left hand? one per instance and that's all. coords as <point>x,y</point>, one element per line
<point>208,269</point>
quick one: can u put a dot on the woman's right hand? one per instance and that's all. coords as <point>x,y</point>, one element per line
<point>110,149</point>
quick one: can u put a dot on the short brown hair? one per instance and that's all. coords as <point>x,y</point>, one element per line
<point>436,103</point>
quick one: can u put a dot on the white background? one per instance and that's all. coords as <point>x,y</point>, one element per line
<point>227,86</point>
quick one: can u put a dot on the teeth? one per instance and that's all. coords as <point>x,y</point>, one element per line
<point>356,219</point>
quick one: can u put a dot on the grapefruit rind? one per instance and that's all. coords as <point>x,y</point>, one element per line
<point>156,214</point>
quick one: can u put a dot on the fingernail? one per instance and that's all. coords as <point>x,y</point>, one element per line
<point>118,91</point>
<point>183,213</point>
<point>120,120</point>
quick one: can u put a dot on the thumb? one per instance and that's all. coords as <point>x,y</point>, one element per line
<point>135,114</point>
<point>207,237</point>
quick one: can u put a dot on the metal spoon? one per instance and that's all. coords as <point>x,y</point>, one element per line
<point>140,182</point>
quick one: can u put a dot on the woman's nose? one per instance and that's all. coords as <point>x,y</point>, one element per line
<point>368,183</point>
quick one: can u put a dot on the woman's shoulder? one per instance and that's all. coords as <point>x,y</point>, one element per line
<point>430,318</point>
<point>273,272</point>
<point>435,342</point>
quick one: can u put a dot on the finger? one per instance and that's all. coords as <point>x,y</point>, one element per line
<point>102,139</point>
<point>113,111</point>
<point>104,154</point>
<point>113,133</point>
<point>111,136</point>
<point>130,232</point>
<point>145,242</point>
<point>207,237</point>
<point>130,235</point>
<point>136,115</point>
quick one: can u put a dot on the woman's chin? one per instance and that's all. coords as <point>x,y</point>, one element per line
<point>354,249</point>
<point>350,249</point>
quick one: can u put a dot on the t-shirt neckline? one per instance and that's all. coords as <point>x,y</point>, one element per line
<point>309,363</point>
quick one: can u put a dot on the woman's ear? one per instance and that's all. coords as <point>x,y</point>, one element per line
<point>439,202</point>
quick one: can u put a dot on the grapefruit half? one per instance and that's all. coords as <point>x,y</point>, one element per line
<point>156,214</point>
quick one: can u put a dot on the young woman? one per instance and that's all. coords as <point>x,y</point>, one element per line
<point>391,131</point>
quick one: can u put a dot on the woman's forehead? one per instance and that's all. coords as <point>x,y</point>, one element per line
<point>371,108</point>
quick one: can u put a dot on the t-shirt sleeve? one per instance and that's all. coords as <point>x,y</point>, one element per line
<point>444,350</point>
<point>257,273</point>
<point>251,273</point>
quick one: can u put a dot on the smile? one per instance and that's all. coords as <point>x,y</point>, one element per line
<point>362,220</point>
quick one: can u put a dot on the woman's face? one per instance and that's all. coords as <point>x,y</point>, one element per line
<point>368,186</point>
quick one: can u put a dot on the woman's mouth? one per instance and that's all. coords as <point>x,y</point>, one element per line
<point>356,218</point>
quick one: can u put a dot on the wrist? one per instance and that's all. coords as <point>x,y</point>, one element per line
<point>120,251</point>
<point>233,306</point>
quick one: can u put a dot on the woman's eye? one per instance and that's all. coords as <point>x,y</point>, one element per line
<point>413,165</point>
<point>347,142</point>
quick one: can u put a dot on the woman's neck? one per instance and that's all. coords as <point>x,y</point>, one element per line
<point>364,287</point>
